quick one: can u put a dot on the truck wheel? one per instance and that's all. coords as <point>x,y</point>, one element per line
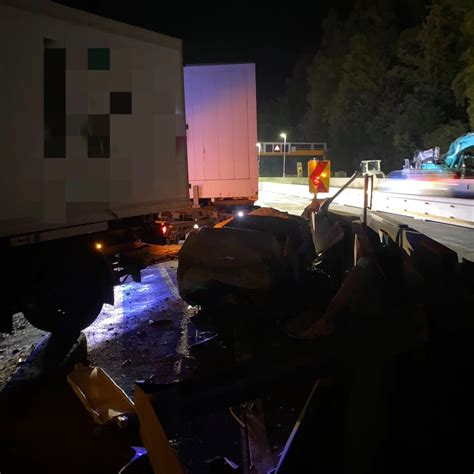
<point>67,293</point>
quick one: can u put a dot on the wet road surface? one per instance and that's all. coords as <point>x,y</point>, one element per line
<point>15,348</point>
<point>146,334</point>
<point>45,428</point>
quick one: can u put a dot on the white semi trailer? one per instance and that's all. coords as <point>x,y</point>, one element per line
<point>94,153</point>
<point>93,146</point>
<point>221,115</point>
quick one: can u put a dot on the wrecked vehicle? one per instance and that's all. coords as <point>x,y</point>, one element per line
<point>249,258</point>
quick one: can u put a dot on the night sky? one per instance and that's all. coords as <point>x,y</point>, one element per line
<point>272,38</point>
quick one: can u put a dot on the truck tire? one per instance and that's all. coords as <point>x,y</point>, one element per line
<point>67,291</point>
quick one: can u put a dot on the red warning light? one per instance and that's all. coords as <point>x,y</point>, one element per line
<point>164,229</point>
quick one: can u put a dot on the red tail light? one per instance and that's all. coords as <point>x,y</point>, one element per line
<point>164,229</point>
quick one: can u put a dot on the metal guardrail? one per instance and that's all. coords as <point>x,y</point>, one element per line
<point>436,208</point>
<point>455,188</point>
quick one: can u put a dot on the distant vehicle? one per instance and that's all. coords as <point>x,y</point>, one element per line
<point>458,162</point>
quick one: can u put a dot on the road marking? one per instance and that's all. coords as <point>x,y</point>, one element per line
<point>169,281</point>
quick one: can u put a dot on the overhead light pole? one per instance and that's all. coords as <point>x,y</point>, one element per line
<point>259,148</point>
<point>283,135</point>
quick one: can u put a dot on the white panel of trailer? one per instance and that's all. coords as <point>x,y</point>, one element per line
<point>146,170</point>
<point>222,130</point>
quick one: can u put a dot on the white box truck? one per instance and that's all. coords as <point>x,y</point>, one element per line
<point>93,147</point>
<point>93,138</point>
<point>221,117</point>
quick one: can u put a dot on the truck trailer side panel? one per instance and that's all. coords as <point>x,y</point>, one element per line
<point>222,130</point>
<point>92,119</point>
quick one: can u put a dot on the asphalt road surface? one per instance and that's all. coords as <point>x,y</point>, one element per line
<point>459,239</point>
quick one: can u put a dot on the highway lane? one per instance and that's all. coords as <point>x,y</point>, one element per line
<point>447,210</point>
<point>459,239</point>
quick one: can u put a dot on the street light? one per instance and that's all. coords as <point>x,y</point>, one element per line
<point>283,135</point>
<point>259,147</point>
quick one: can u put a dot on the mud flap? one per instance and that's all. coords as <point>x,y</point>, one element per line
<point>161,454</point>
<point>101,396</point>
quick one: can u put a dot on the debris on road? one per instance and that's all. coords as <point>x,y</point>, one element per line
<point>194,369</point>
<point>138,464</point>
<point>221,465</point>
<point>163,324</point>
<point>101,396</point>
<point>249,259</point>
